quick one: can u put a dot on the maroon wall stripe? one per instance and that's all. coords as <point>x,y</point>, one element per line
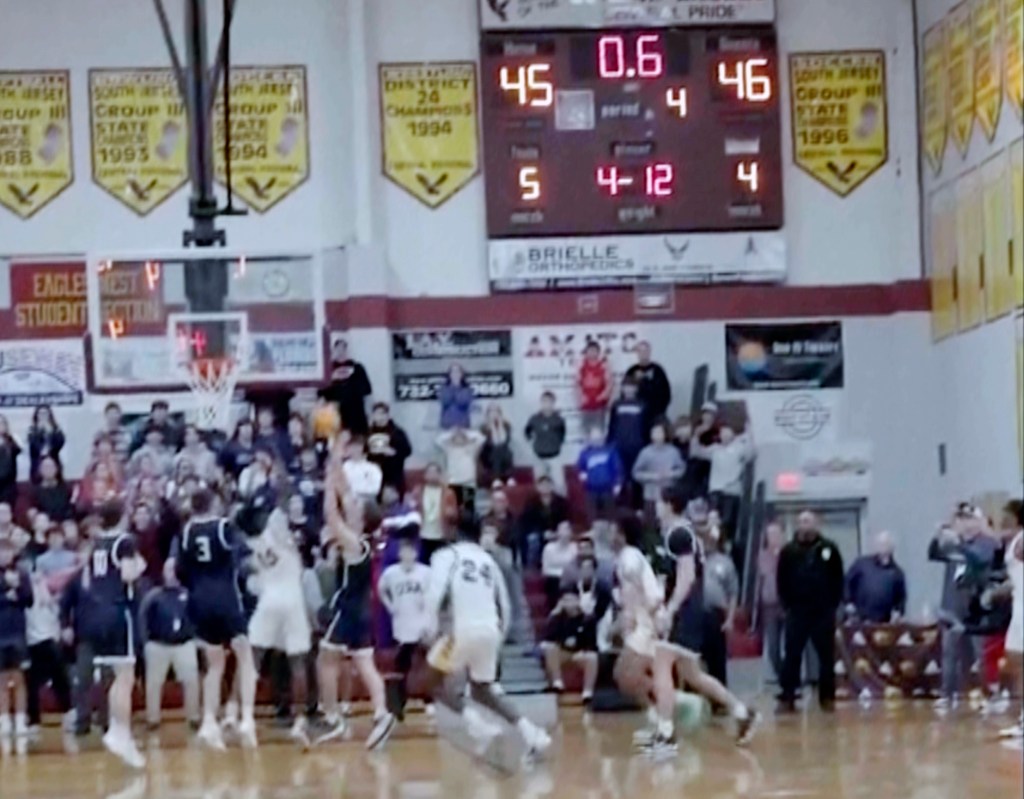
<point>582,307</point>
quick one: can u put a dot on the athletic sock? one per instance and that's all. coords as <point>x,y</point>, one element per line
<point>666,729</point>
<point>652,716</point>
<point>741,712</point>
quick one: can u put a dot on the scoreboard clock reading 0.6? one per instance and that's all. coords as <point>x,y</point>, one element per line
<point>631,131</point>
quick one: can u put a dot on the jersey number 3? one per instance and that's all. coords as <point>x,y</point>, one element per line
<point>204,554</point>
<point>470,570</point>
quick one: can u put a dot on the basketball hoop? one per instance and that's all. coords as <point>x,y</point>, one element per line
<point>212,382</point>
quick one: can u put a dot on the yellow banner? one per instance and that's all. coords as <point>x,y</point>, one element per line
<point>969,250</point>
<point>840,125</point>
<point>139,135</point>
<point>942,241</point>
<point>1013,53</point>
<point>934,98</point>
<point>35,139</point>
<point>995,176</point>
<point>960,68</point>
<point>429,124</point>
<point>988,64</point>
<point>1017,215</point>
<point>269,134</point>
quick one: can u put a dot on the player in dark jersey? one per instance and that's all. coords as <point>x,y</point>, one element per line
<point>111,573</point>
<point>208,567</point>
<point>682,620</point>
<point>348,519</point>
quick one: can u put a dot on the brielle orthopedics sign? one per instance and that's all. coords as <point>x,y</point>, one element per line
<point>35,139</point>
<point>840,117</point>
<point>429,128</point>
<point>139,135</point>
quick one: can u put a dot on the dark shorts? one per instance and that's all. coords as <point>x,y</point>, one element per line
<point>14,656</point>
<point>113,638</point>
<point>688,628</point>
<point>350,630</point>
<point>218,620</point>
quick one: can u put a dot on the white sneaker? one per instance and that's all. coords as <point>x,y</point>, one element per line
<point>21,726</point>
<point>121,745</point>
<point>346,709</point>
<point>210,735</point>
<point>6,726</point>
<point>382,729</point>
<point>337,726</point>
<point>1014,732</point>
<point>230,721</point>
<point>67,722</point>
<point>299,732</point>
<point>645,736</point>
<point>247,733</point>
<point>537,740</point>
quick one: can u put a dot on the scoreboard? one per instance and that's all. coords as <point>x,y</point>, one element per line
<point>626,131</point>
<point>622,154</point>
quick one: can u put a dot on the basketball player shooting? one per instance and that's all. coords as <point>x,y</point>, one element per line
<point>348,519</point>
<point>467,577</point>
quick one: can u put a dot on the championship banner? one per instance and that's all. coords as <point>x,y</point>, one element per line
<point>1013,53</point>
<point>840,126</point>
<point>41,373</point>
<point>960,69</point>
<point>502,14</point>
<point>1017,215</point>
<point>784,357</point>
<point>421,360</point>
<point>969,250</point>
<point>988,66</point>
<point>942,243</point>
<point>995,177</point>
<point>269,134</point>
<point>35,139</point>
<point>139,135</point>
<point>429,127</point>
<point>934,98</point>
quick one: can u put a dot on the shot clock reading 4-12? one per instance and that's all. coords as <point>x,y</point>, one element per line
<point>620,131</point>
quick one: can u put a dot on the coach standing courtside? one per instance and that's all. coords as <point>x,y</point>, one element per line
<point>810,583</point>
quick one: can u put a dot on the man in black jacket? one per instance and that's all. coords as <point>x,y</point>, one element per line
<point>810,584</point>
<point>543,512</point>
<point>387,445</point>
<point>655,390</point>
<point>348,389</point>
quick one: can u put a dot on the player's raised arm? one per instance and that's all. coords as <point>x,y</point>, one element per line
<point>338,499</point>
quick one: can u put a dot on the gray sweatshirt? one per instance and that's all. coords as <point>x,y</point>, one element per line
<point>657,466</point>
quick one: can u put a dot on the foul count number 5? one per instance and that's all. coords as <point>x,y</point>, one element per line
<point>748,78</point>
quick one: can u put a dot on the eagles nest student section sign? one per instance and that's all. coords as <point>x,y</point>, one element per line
<point>35,139</point>
<point>429,126</point>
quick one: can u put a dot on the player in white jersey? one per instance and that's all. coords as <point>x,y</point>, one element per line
<point>641,597</point>
<point>1013,520</point>
<point>466,577</point>
<point>280,621</point>
<point>403,589</point>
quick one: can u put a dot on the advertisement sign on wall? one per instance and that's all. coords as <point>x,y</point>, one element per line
<point>548,359</point>
<point>35,154</point>
<point>783,357</point>
<point>788,416</point>
<point>36,373</point>
<point>422,358</point>
<point>498,14</point>
<point>840,116</point>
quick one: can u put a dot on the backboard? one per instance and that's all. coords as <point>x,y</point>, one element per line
<point>148,311</point>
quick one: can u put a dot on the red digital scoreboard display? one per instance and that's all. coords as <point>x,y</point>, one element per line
<point>631,131</point>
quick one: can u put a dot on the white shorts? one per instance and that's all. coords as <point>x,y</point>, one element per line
<point>643,637</point>
<point>474,650</point>
<point>283,626</point>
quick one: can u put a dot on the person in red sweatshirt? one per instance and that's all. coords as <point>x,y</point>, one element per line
<point>595,387</point>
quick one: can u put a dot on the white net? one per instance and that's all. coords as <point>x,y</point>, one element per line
<point>212,382</point>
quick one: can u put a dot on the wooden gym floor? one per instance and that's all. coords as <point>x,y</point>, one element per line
<point>882,753</point>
